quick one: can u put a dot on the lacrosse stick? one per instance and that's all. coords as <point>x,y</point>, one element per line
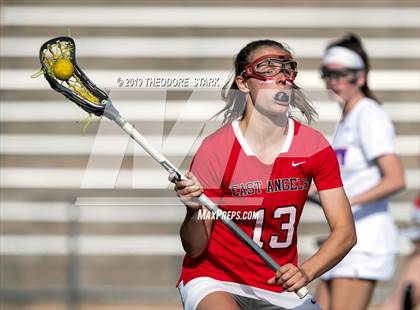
<point>77,87</point>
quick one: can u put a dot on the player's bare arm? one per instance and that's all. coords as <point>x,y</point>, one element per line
<point>195,232</point>
<point>392,181</point>
<point>342,237</point>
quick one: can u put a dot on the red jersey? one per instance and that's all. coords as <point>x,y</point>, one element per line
<point>234,178</point>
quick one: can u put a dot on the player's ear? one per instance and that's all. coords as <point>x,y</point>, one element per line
<point>360,78</point>
<point>242,84</point>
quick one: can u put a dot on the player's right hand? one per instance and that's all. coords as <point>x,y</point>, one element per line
<point>290,277</point>
<point>188,190</point>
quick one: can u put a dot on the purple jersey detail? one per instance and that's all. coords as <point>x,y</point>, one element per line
<point>341,155</point>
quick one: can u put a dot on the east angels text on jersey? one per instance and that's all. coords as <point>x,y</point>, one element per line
<point>272,186</point>
<point>245,189</point>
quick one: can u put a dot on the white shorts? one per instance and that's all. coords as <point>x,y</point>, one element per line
<point>363,266</point>
<point>198,288</point>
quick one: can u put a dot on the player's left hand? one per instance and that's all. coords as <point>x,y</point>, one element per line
<point>290,277</point>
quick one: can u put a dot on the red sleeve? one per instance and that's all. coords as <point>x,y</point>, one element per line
<point>326,171</point>
<point>205,167</point>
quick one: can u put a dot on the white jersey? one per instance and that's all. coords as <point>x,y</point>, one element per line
<point>365,134</point>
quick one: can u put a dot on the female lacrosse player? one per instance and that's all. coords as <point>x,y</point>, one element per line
<point>258,167</point>
<point>371,172</point>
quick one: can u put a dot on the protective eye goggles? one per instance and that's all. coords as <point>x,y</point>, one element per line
<point>334,74</point>
<point>268,66</point>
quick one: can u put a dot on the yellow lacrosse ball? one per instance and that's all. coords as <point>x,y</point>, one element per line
<point>63,69</point>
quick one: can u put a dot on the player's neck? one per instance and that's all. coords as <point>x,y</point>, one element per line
<point>351,103</point>
<point>263,131</point>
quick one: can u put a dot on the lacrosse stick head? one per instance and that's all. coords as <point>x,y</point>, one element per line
<point>74,84</point>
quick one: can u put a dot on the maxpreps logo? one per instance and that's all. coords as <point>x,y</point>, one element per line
<point>227,215</point>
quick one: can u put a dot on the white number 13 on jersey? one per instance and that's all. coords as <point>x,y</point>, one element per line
<point>274,239</point>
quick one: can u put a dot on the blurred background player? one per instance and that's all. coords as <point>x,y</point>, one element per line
<point>260,161</point>
<point>406,294</point>
<point>364,143</point>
